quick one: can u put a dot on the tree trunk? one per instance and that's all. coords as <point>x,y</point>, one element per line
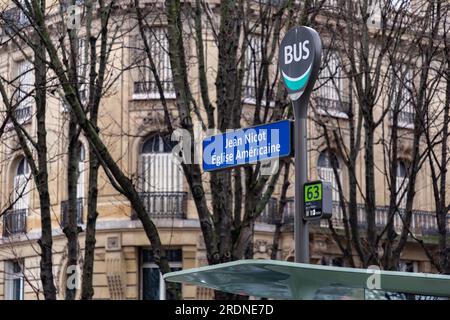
<point>370,194</point>
<point>279,214</point>
<point>87,291</point>
<point>444,251</point>
<point>71,227</point>
<point>116,176</point>
<point>46,241</point>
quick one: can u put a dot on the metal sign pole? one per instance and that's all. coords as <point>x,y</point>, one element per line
<point>301,229</point>
<point>299,59</point>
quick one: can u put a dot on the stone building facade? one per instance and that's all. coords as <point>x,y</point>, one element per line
<point>132,125</point>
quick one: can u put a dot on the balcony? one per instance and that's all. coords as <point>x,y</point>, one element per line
<point>22,115</point>
<point>330,7</point>
<point>14,222</point>
<point>64,219</point>
<point>249,92</point>
<point>422,223</point>
<point>289,211</point>
<point>14,20</point>
<point>149,90</point>
<point>406,119</point>
<point>332,107</point>
<point>270,2</point>
<point>268,215</point>
<point>164,204</point>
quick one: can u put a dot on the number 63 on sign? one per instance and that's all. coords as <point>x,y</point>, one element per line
<point>317,200</point>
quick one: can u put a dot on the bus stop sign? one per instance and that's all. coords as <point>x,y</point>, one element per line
<point>299,60</point>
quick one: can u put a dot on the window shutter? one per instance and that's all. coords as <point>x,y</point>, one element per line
<point>21,191</point>
<point>160,171</point>
<point>401,183</point>
<point>253,58</point>
<point>22,187</point>
<point>330,79</point>
<point>25,86</point>
<point>80,181</point>
<point>82,71</point>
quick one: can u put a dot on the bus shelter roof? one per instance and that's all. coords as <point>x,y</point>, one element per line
<point>289,280</point>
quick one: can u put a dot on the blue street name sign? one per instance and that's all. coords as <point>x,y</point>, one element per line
<point>249,145</point>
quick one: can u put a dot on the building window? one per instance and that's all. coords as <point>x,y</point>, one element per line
<point>325,171</point>
<point>160,171</point>
<point>332,261</point>
<point>400,4</point>
<point>22,186</point>
<point>66,3</point>
<point>268,215</point>
<point>408,266</point>
<point>401,183</point>
<point>252,65</point>
<point>402,85</point>
<point>289,210</point>
<point>152,283</point>
<point>80,181</point>
<point>145,87</point>
<point>82,70</point>
<point>14,280</point>
<point>64,106</point>
<point>80,191</point>
<point>161,179</point>
<point>15,220</point>
<point>23,19</point>
<point>330,98</point>
<point>83,76</point>
<point>24,76</point>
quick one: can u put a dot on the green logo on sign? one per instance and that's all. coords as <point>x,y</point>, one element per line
<point>297,83</point>
<point>313,192</point>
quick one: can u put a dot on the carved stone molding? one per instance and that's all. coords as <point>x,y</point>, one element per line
<point>12,144</point>
<point>154,120</point>
<point>261,246</point>
<point>405,149</point>
<point>116,274</point>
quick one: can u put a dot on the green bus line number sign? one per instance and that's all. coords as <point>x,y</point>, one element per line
<point>318,202</point>
<point>313,192</point>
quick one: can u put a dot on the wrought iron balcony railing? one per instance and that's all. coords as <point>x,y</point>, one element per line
<point>422,223</point>
<point>268,215</point>
<point>248,92</point>
<point>15,222</point>
<point>64,219</point>
<point>332,106</point>
<point>405,118</point>
<point>23,114</point>
<point>150,88</point>
<point>164,204</point>
<point>14,19</point>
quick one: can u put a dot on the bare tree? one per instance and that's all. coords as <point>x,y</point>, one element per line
<point>61,52</point>
<point>436,128</point>
<point>367,44</point>
<point>246,35</point>
<point>36,155</point>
